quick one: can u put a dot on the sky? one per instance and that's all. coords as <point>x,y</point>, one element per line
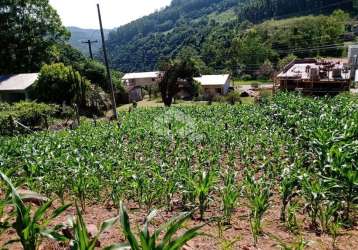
<point>83,13</point>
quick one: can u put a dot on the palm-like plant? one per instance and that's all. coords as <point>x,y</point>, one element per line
<point>147,241</point>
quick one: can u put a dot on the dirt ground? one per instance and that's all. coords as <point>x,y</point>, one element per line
<point>237,235</point>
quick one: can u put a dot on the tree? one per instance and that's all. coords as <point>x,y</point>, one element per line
<point>58,83</point>
<point>265,71</point>
<point>286,60</point>
<point>174,71</point>
<point>250,50</point>
<point>29,32</point>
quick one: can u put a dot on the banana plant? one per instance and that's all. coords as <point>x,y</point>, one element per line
<point>32,228</point>
<point>148,241</point>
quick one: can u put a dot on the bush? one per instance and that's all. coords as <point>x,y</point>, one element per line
<point>30,114</point>
<point>246,77</point>
<point>233,97</point>
<point>58,83</point>
<point>219,98</point>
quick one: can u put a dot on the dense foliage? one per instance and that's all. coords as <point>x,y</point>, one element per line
<point>212,27</point>
<point>29,114</point>
<point>58,83</point>
<point>305,148</point>
<point>30,30</point>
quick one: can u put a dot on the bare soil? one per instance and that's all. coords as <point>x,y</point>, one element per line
<point>238,231</point>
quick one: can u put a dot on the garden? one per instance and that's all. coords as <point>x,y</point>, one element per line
<point>280,174</point>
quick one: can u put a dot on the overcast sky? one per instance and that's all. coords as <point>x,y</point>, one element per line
<point>83,13</point>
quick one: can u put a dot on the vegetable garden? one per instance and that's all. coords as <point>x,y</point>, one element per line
<point>279,174</point>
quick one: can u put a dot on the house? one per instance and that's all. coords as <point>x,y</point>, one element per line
<point>16,87</point>
<point>214,84</point>
<point>134,82</point>
<point>315,77</point>
<point>142,79</point>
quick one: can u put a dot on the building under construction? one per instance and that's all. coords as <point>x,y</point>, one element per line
<point>315,77</point>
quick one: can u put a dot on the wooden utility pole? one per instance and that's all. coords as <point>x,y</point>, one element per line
<point>109,76</point>
<point>89,42</point>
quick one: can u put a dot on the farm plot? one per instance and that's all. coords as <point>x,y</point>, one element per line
<point>280,174</point>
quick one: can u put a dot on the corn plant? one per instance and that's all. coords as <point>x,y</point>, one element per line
<point>288,184</point>
<point>314,194</point>
<point>291,222</point>
<point>334,228</point>
<point>299,244</point>
<point>148,241</point>
<point>32,228</point>
<point>229,196</point>
<point>327,215</point>
<point>81,239</point>
<point>258,194</point>
<point>203,185</point>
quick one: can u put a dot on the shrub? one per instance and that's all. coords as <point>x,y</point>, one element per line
<point>30,114</point>
<point>58,83</point>
<point>219,98</point>
<point>246,77</point>
<point>233,97</point>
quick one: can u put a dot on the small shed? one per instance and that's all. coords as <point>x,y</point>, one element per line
<point>16,87</point>
<point>214,84</point>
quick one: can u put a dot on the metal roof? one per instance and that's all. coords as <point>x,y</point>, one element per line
<point>19,82</point>
<point>141,75</point>
<point>207,80</point>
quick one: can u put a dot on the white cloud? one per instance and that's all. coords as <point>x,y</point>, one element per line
<point>83,13</point>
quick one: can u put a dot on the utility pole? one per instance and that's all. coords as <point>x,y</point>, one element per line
<point>89,42</point>
<point>109,76</point>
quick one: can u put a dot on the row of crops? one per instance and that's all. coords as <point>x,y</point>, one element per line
<point>187,158</point>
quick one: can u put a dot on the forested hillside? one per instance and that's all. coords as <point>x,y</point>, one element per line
<point>79,35</point>
<point>218,32</point>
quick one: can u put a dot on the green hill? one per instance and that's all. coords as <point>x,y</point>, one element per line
<point>210,30</point>
<point>79,35</point>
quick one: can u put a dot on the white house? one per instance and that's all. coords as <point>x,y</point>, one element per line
<point>214,84</point>
<point>16,87</point>
<point>141,79</point>
<point>134,82</point>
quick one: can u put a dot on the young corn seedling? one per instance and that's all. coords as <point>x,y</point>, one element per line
<point>81,239</point>
<point>152,241</point>
<point>32,228</point>
<point>292,223</point>
<point>258,194</point>
<point>327,215</point>
<point>287,192</point>
<point>333,229</point>
<point>300,244</point>
<point>314,194</point>
<point>229,196</point>
<point>203,186</point>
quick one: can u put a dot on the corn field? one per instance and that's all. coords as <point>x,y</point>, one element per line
<point>302,151</point>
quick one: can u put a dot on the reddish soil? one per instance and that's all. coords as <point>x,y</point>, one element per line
<point>239,231</point>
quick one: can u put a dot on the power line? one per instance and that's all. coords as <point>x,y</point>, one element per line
<point>89,42</point>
